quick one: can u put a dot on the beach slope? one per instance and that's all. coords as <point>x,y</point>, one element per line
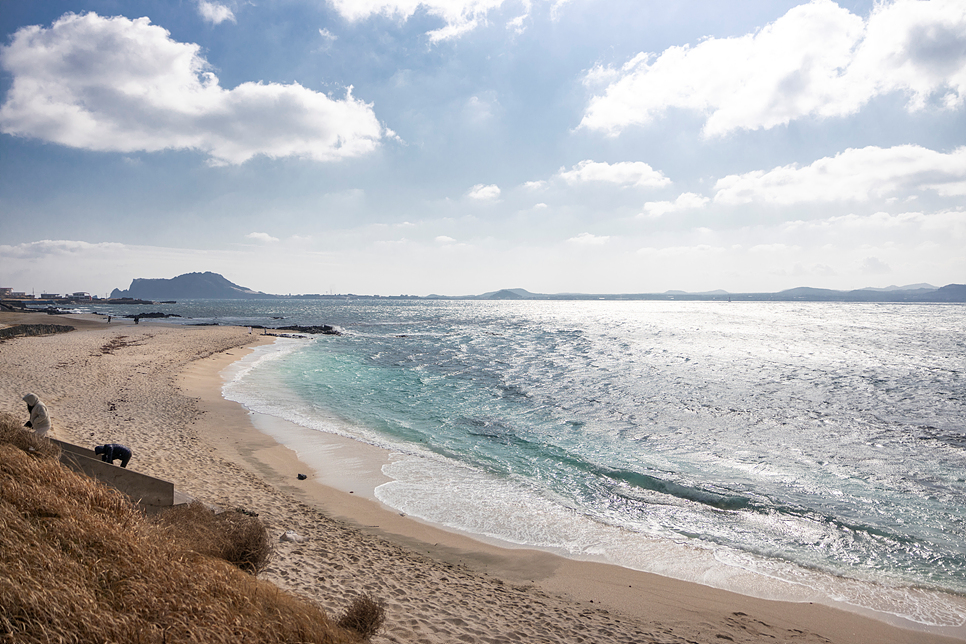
<point>156,388</point>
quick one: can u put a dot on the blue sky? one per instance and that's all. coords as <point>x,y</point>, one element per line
<point>462,146</point>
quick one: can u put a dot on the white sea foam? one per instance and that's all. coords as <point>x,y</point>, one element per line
<point>473,502</point>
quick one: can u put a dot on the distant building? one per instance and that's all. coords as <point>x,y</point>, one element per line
<point>50,296</point>
<point>6,291</point>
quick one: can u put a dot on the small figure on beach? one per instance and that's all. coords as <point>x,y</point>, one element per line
<point>108,319</point>
<point>137,319</point>
<point>39,419</point>
<point>112,452</point>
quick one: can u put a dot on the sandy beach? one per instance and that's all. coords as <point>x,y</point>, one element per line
<point>157,388</point>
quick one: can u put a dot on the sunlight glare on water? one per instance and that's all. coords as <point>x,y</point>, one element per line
<point>795,440</point>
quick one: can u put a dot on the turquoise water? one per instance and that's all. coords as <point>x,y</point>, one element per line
<point>818,446</point>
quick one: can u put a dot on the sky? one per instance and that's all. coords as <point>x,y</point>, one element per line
<point>457,147</point>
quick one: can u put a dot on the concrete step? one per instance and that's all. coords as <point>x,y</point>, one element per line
<point>148,491</point>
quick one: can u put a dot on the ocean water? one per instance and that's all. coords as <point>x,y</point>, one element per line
<point>812,450</point>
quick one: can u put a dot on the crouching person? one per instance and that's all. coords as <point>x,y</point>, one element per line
<point>112,452</point>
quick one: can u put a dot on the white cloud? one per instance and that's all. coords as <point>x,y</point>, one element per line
<point>625,173</point>
<point>874,266</point>
<point>818,60</point>
<point>115,84</point>
<point>263,237</point>
<point>555,9</point>
<point>586,239</point>
<point>49,248</point>
<point>481,192</point>
<point>685,201</point>
<point>855,174</point>
<point>478,109</point>
<point>460,16</point>
<point>443,239</point>
<point>328,35</point>
<point>516,24</point>
<point>214,12</point>
<point>535,185</point>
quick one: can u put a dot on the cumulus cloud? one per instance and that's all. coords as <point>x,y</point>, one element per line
<point>624,173</point>
<point>263,237</point>
<point>460,16</point>
<point>818,60</point>
<point>685,201</point>
<point>481,192</point>
<point>444,239</point>
<point>115,84</point>
<point>214,12</point>
<point>855,174</point>
<point>587,239</point>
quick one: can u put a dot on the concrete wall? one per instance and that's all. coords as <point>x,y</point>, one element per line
<point>142,488</point>
<point>75,449</point>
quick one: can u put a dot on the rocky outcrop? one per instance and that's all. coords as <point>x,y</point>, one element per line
<point>324,329</point>
<point>208,285</point>
<point>155,314</point>
<point>20,330</point>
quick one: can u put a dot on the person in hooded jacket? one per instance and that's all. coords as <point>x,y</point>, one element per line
<point>39,420</point>
<point>112,452</point>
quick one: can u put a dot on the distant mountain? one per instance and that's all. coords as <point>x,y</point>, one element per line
<point>188,286</point>
<point>909,287</point>
<point>807,292</point>
<point>950,293</point>
<point>508,294</point>
<point>911,293</point>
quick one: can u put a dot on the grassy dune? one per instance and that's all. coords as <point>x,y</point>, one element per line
<point>80,563</point>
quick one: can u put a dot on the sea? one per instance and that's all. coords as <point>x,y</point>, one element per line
<point>789,450</point>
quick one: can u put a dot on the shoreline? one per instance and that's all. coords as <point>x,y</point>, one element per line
<point>587,581</point>
<point>439,586</point>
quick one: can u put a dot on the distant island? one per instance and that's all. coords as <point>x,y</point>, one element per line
<point>210,285</point>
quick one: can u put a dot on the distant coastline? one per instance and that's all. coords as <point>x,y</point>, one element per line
<point>948,293</point>
<point>214,286</point>
<point>210,285</point>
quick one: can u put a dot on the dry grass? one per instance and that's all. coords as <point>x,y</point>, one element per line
<point>14,433</point>
<point>240,539</point>
<point>80,563</point>
<point>365,616</point>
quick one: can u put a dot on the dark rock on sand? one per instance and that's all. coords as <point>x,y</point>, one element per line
<point>324,329</point>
